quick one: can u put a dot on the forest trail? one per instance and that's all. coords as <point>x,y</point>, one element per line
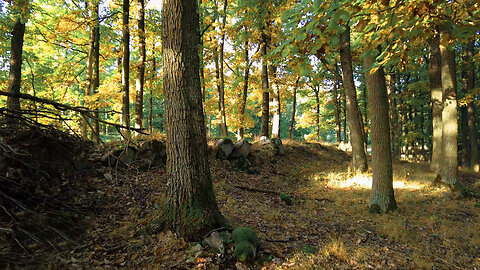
<point>327,225</point>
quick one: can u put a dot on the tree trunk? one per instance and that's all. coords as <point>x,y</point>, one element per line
<point>223,116</point>
<point>435,78</point>
<point>359,160</point>
<point>317,107</point>
<point>465,142</point>
<point>338,125</point>
<point>96,73</point>
<point>89,78</point>
<point>152,80</point>
<point>243,105</point>
<point>191,209</point>
<point>294,109</point>
<point>265,87</point>
<point>382,198</point>
<point>141,67</point>
<point>472,121</point>
<point>125,117</point>
<point>277,105</point>
<point>345,133</point>
<point>449,162</point>
<point>15,75</point>
<point>394,134</point>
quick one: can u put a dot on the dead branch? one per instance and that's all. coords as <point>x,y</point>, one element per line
<point>64,107</point>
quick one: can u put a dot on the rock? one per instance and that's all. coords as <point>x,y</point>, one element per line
<point>216,242</point>
<point>280,150</point>
<point>223,148</point>
<point>264,140</point>
<point>241,148</point>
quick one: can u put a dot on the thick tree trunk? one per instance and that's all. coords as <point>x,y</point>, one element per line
<point>265,87</point>
<point>294,109</point>
<point>382,198</point>
<point>435,78</point>
<point>96,73</point>
<point>449,161</point>
<point>140,80</point>
<point>15,75</point>
<point>243,105</point>
<point>191,208</point>
<point>125,117</point>
<point>472,121</point>
<point>359,160</point>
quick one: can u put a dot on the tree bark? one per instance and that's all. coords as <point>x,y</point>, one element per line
<point>464,126</point>
<point>449,161</point>
<point>140,80</point>
<point>435,78</point>
<point>317,107</point>
<point>359,160</point>
<point>338,125</point>
<point>191,209</point>
<point>294,109</point>
<point>265,87</point>
<point>85,124</point>
<point>152,80</point>
<point>125,117</point>
<point>221,93</point>
<point>96,73</point>
<point>276,125</point>
<point>243,105</point>
<point>382,198</point>
<point>472,121</point>
<point>15,74</point>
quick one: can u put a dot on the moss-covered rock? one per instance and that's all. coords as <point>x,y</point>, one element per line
<point>246,243</point>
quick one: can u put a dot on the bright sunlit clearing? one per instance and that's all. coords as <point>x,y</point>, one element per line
<point>364,181</point>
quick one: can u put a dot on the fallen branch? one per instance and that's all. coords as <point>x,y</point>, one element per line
<point>65,107</point>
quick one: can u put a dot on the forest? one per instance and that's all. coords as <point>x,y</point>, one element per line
<point>239,134</point>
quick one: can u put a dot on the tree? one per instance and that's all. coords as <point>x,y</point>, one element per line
<point>125,117</point>
<point>15,75</point>
<point>449,161</point>
<point>382,198</point>
<point>359,160</point>
<point>96,71</point>
<point>435,77</point>
<point>191,208</point>
<point>241,129</point>
<point>472,121</point>
<point>265,85</point>
<point>220,70</point>
<point>141,66</point>
<point>294,108</point>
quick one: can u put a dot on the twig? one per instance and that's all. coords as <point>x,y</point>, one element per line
<point>258,190</point>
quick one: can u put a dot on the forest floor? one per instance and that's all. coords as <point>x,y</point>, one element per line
<point>327,227</point>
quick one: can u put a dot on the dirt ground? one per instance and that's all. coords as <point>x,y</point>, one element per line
<point>109,219</point>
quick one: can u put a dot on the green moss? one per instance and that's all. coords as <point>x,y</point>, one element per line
<point>244,251</point>
<point>309,249</point>
<point>246,243</point>
<point>287,199</point>
<point>374,209</point>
